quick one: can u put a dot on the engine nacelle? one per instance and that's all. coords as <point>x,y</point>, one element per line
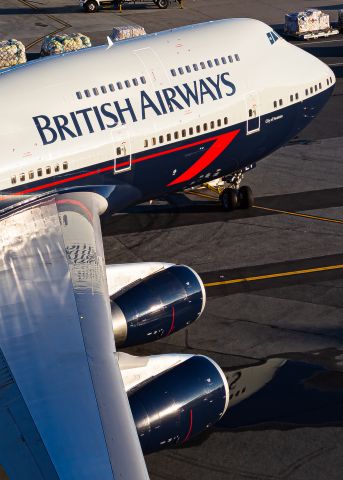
<point>179,404</point>
<point>157,305</point>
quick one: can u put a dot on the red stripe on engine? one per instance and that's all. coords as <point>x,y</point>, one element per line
<point>172,326</point>
<point>190,426</point>
<point>205,160</point>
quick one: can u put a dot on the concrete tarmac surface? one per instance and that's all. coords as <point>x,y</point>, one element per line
<point>274,273</point>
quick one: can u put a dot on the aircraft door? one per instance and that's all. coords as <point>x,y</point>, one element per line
<point>153,67</point>
<point>253,113</point>
<point>122,152</point>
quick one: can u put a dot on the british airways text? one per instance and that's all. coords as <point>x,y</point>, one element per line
<point>119,112</point>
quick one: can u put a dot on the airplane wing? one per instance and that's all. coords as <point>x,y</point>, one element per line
<point>64,413</point>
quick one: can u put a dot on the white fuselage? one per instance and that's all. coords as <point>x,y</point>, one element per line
<point>113,104</point>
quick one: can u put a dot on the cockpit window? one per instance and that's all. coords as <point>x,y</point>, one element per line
<point>273,37</point>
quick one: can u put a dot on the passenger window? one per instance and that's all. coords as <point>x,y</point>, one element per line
<point>111,87</point>
<point>176,135</point>
<point>230,59</point>
<point>315,88</point>
<point>65,165</point>
<point>168,137</point>
<point>87,93</point>
<point>311,90</point>
<point>291,98</point>
<point>237,57</point>
<point>306,91</point>
<point>95,91</point>
<point>48,170</point>
<point>160,139</point>
<point>226,120</point>
<point>22,177</point>
<point>327,81</point>
<point>209,63</point>
<point>57,168</point>
<point>191,130</point>
<point>250,112</point>
<point>39,172</point>
<point>143,80</point>
<point>127,84</point>
<point>173,72</point>
<point>118,151</point>
<point>103,89</point>
<point>13,179</point>
<point>195,67</point>
<point>120,85</point>
<point>202,65</point>
<point>205,128</point>
<point>219,122</point>
<point>217,62</point>
<point>79,95</point>
<point>320,86</point>
<point>275,104</point>
<point>135,82</point>
<point>31,175</point>
<point>280,102</point>
<point>188,69</point>
<point>212,124</point>
<point>297,96</point>
<point>224,60</point>
<point>180,69</point>
<point>197,129</point>
<point>183,133</point>
<point>146,143</point>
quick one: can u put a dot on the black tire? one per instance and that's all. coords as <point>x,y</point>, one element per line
<point>162,3</point>
<point>229,199</point>
<point>245,197</point>
<point>91,6</point>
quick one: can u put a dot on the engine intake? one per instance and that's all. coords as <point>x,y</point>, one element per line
<point>157,306</point>
<point>180,403</point>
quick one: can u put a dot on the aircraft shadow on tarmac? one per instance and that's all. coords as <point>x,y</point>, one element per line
<point>155,217</point>
<point>284,392</point>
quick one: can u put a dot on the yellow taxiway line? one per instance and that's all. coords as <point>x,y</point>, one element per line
<point>302,215</point>
<point>275,275</point>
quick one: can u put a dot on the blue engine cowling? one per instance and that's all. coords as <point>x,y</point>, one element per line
<point>179,404</point>
<point>157,306</point>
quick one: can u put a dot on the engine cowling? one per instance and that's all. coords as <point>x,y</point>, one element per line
<point>157,306</point>
<point>179,404</point>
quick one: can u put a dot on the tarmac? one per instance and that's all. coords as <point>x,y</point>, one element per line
<point>274,273</point>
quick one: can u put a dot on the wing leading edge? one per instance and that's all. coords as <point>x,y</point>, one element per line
<point>57,341</point>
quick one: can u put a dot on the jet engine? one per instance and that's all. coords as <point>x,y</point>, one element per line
<point>174,406</point>
<point>157,305</point>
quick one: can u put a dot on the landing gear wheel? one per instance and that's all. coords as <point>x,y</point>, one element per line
<point>91,6</point>
<point>162,3</point>
<point>229,199</point>
<point>245,197</point>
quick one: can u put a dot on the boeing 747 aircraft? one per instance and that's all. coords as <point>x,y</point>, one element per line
<point>99,130</point>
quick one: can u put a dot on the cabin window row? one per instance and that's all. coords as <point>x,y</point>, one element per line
<point>32,174</point>
<point>205,127</point>
<point>278,103</point>
<point>112,87</point>
<point>195,67</point>
<point>311,90</point>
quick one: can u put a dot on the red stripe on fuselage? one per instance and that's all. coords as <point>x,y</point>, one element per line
<point>205,160</point>
<point>121,165</point>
